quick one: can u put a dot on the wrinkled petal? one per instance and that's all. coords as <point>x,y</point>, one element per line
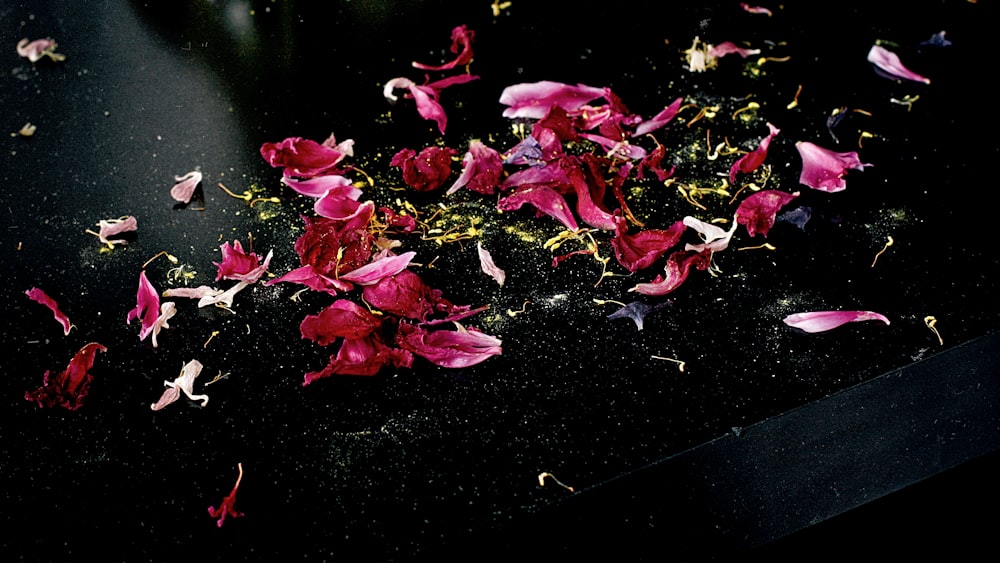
<point>674,273</point>
<point>69,388</point>
<point>823,169</point>
<point>185,383</point>
<point>482,169</point>
<point>427,170</point>
<point>342,319</point>
<point>224,299</point>
<point>183,190</point>
<point>819,321</point>
<point>461,45</point>
<point>238,265</point>
<point>426,99</point>
<point>759,211</point>
<point>889,62</point>
<point>533,100</point>
<point>42,298</point>
<point>363,356</point>
<point>640,250</point>
<point>449,348</point>
<point>111,227</point>
<point>728,48</point>
<point>714,238</point>
<point>199,292</point>
<point>487,265</point>
<point>406,295</point>
<point>167,311</point>
<point>543,198</point>
<point>755,9</point>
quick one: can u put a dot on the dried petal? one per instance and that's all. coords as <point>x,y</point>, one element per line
<point>753,159</point>
<point>819,321</point>
<point>69,388</point>
<point>35,50</point>
<point>227,506</point>
<point>675,272</point>
<point>111,227</point>
<point>39,296</point>
<point>363,356</point>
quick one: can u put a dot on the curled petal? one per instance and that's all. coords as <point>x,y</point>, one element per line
<point>427,170</point>
<point>640,250</point>
<point>753,159</point>
<point>238,265</point>
<point>167,311</point>
<point>183,190</point>
<point>889,62</point>
<point>42,298</point>
<point>322,185</point>
<point>482,169</point>
<point>342,319</point>
<point>461,45</point>
<point>823,169</point>
<point>363,356</point>
<point>111,227</point>
<point>381,268</point>
<point>660,119</point>
<point>305,158</point>
<point>69,388</point>
<point>543,198</point>
<point>819,321</point>
<point>35,50</point>
<point>183,383</point>
<point>674,273</point>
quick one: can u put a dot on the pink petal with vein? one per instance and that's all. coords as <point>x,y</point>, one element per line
<point>819,321</point>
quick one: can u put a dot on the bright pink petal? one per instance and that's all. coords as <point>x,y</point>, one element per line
<point>448,348</point>
<point>380,268</point>
<point>69,388</point>
<point>183,190</point>
<point>488,266</point>
<point>112,227</point>
<point>674,273</point>
<point>461,45</point>
<point>759,210</point>
<point>819,321</point>
<point>660,119</point>
<point>728,48</point>
<point>147,308</point>
<point>39,296</point>
<point>342,319</point>
<point>543,198</point>
<point>238,265</point>
<point>319,186</point>
<point>303,158</point>
<point>823,169</point>
<point>890,63</point>
<point>533,100</point>
<point>639,251</point>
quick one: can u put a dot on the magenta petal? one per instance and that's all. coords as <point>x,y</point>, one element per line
<point>533,100</point>
<point>674,273</point>
<point>342,319</point>
<point>819,321</point>
<point>448,348</point>
<point>147,308</point>
<point>823,169</point>
<point>660,119</point>
<point>39,296</point>
<point>382,268</point>
<point>890,63</point>
<point>545,200</point>
<point>303,158</point>
<point>759,211</point>
<point>69,388</point>
<point>753,159</point>
<point>322,185</point>
<point>482,169</point>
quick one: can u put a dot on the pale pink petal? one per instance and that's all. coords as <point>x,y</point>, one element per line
<point>183,190</point>
<point>823,169</point>
<point>224,299</point>
<point>488,266</point>
<point>167,312</point>
<point>728,47</point>
<point>715,238</point>
<point>890,63</point>
<point>35,50</point>
<point>192,292</point>
<point>111,227</point>
<point>819,321</point>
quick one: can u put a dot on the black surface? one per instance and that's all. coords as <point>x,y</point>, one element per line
<point>428,460</point>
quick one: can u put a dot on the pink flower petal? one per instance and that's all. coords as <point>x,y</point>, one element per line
<point>69,388</point>
<point>319,186</point>
<point>461,45</point>
<point>543,198</point>
<point>759,210</point>
<point>238,265</point>
<point>305,158</point>
<point>185,383</point>
<point>490,268</point>
<point>183,190</point>
<point>675,272</point>
<point>342,319</point>
<point>753,159</point>
<point>380,268</point>
<point>35,50</point>
<point>147,308</point>
<point>660,119</point>
<point>111,227</point>
<point>39,296</point>
<point>533,100</point>
<point>482,169</point>
<point>823,169</point>
<point>819,321</point>
<point>890,63</point>
<point>228,503</point>
<point>448,348</point>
